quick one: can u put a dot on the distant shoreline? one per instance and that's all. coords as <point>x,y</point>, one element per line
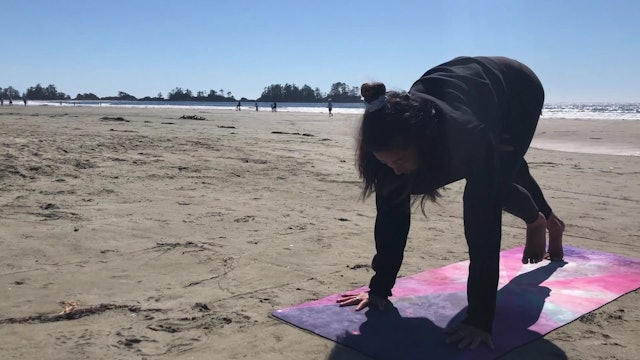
<point>593,111</point>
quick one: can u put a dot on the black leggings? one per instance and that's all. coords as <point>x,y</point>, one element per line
<point>524,197</point>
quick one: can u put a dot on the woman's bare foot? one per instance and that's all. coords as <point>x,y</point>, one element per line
<point>536,241</point>
<point>556,229</point>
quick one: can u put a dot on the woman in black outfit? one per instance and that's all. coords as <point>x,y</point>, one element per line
<point>471,118</point>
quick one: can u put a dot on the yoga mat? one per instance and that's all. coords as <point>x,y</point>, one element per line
<point>533,300</point>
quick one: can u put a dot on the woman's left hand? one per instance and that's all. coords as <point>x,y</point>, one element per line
<point>467,335</point>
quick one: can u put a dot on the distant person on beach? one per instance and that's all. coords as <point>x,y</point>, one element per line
<point>330,107</point>
<point>274,107</point>
<point>10,101</point>
<point>25,101</point>
<point>238,106</point>
<point>256,104</point>
<point>1,101</point>
<point>470,118</point>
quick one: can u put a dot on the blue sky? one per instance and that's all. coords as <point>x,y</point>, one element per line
<point>583,50</point>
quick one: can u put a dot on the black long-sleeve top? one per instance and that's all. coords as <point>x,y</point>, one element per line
<point>473,99</point>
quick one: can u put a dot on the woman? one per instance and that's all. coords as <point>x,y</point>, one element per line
<point>471,118</point>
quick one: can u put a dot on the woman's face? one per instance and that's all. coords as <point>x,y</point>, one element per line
<point>402,161</point>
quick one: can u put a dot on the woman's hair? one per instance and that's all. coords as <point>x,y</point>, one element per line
<point>401,122</point>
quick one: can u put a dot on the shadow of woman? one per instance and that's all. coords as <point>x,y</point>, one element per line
<point>387,334</point>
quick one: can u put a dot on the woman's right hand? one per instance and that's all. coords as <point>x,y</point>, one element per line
<point>362,300</point>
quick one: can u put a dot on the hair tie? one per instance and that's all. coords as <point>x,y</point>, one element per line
<point>376,104</point>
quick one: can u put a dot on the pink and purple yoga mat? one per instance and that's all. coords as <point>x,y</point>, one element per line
<point>532,301</point>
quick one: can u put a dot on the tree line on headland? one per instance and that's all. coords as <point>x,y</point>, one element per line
<point>340,92</point>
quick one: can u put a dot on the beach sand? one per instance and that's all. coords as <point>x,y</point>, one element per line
<point>177,238</point>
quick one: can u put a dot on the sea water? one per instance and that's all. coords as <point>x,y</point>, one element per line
<point>595,111</point>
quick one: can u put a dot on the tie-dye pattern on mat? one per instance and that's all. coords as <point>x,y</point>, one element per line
<point>532,301</point>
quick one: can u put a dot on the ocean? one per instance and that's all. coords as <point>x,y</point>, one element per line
<point>595,111</point>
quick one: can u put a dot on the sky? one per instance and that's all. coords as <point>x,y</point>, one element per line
<point>582,50</point>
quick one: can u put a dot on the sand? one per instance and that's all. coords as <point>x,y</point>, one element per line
<point>158,237</point>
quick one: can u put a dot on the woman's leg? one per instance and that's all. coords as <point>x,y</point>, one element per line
<point>524,179</point>
<point>518,202</point>
<point>554,225</point>
<point>526,98</point>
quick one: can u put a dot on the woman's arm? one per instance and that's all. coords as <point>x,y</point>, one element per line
<point>391,230</point>
<point>482,228</point>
